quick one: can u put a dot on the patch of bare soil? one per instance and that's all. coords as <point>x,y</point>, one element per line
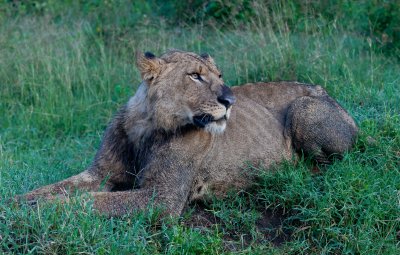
<point>270,225</point>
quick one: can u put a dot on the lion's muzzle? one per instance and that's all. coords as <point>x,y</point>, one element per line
<point>202,120</point>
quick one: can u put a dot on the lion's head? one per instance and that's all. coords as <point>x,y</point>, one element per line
<point>183,88</point>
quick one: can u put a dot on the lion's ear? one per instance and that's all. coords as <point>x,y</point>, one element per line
<point>149,65</point>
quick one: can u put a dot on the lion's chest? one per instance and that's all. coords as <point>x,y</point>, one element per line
<point>253,138</point>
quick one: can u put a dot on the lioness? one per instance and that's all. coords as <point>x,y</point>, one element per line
<point>185,132</point>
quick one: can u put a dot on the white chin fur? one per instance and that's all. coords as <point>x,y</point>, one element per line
<point>215,128</point>
<point>228,112</point>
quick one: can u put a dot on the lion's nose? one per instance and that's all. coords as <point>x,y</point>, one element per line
<point>227,101</point>
<point>227,98</point>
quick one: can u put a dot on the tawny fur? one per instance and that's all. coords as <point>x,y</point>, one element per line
<point>180,137</point>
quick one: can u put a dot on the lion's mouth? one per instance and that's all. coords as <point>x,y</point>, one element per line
<point>205,119</point>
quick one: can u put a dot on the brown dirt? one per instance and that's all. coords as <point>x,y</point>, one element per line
<point>270,225</point>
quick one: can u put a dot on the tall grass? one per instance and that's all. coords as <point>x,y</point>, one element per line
<point>62,78</point>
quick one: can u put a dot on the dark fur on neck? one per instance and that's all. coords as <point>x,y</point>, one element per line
<point>129,142</point>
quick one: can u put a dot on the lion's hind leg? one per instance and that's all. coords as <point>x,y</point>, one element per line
<point>320,128</point>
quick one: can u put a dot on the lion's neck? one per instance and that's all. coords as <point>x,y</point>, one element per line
<point>138,122</point>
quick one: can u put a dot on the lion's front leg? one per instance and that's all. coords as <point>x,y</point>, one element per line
<point>166,186</point>
<point>165,182</point>
<point>85,181</point>
<point>122,202</point>
<point>108,169</point>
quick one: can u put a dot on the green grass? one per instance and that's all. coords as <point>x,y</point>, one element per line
<point>62,78</point>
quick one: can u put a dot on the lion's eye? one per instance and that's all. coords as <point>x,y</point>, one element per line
<point>220,76</point>
<point>196,76</point>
